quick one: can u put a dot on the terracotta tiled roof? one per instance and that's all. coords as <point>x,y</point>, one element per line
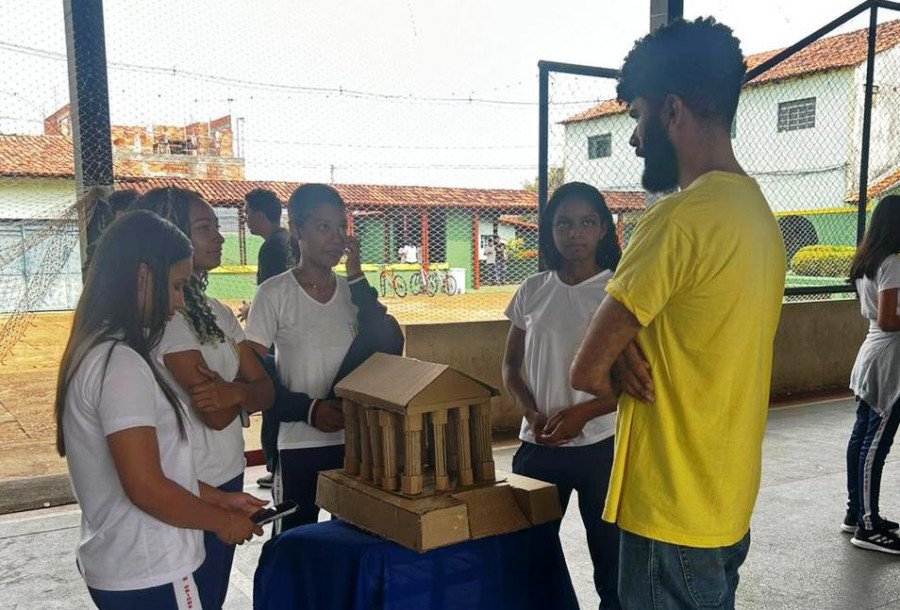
<point>830,53</point>
<point>41,156</point>
<point>231,193</point>
<point>890,181</point>
<point>35,156</point>
<point>51,157</point>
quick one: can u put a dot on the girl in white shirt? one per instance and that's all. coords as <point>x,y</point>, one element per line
<point>875,379</point>
<point>567,438</point>
<point>214,373</point>
<point>308,315</point>
<point>123,433</point>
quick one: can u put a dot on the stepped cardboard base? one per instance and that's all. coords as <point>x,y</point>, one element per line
<point>421,524</point>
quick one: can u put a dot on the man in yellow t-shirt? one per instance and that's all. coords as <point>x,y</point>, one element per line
<point>699,289</point>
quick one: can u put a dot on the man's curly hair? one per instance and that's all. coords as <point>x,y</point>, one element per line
<point>700,61</point>
<point>173,204</point>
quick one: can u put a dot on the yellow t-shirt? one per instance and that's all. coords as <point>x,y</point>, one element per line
<point>704,275</point>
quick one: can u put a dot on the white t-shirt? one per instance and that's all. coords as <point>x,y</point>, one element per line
<point>311,340</point>
<point>490,254</point>
<point>875,376</point>
<point>218,454</point>
<point>410,254</point>
<point>122,547</point>
<point>555,318</point>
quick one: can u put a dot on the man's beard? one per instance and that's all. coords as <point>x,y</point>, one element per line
<point>660,160</point>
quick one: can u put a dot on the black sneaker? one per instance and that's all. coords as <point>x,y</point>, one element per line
<point>266,481</point>
<point>876,540</point>
<point>849,525</point>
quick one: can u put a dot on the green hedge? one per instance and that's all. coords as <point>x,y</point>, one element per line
<point>823,261</point>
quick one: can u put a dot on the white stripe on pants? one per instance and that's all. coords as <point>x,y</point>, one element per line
<point>866,498</point>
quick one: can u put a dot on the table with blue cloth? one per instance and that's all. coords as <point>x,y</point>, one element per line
<point>335,566</point>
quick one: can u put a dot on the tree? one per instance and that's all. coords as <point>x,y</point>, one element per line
<point>555,179</point>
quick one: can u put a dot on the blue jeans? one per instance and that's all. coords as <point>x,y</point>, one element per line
<point>585,469</point>
<point>214,573</point>
<point>172,596</point>
<point>655,575</point>
<point>867,450</point>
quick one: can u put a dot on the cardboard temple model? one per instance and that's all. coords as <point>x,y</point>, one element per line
<point>418,464</point>
<point>416,427</point>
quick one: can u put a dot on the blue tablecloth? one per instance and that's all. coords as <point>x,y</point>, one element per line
<point>335,566</point>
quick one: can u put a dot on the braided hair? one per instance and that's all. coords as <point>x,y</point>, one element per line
<point>173,204</point>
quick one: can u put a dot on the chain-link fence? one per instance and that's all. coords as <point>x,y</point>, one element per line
<point>799,131</point>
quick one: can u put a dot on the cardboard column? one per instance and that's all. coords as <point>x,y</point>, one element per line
<point>483,456</point>
<point>351,437</point>
<point>365,445</point>
<point>463,447</point>
<point>389,449</point>
<point>412,455</point>
<point>439,426</point>
<point>372,417</point>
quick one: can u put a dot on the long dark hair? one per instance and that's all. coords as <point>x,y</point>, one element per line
<point>108,307</point>
<point>174,204</point>
<point>882,239</point>
<point>608,251</point>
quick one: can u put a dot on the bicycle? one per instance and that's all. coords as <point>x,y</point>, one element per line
<point>396,282</point>
<point>421,282</point>
<point>445,282</point>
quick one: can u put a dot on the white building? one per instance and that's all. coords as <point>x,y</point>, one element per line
<point>798,129</point>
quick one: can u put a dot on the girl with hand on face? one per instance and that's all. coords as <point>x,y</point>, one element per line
<point>213,371</point>
<point>567,439</point>
<point>123,433</point>
<point>322,325</point>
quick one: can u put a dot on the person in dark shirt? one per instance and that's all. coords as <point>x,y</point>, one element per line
<point>263,211</point>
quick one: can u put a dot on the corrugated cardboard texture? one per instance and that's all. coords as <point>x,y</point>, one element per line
<point>393,383</point>
<point>539,501</point>
<point>492,511</point>
<point>422,524</point>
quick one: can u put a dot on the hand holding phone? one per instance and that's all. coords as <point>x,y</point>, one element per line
<point>268,515</point>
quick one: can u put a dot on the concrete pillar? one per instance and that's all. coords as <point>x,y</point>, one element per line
<point>664,11</point>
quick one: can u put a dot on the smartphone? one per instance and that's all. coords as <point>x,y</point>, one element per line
<point>268,515</point>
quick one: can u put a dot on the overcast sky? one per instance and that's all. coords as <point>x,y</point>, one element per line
<point>361,91</point>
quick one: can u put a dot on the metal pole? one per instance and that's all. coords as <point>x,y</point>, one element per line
<point>663,12</point>
<point>88,106</point>
<point>866,129</point>
<point>543,144</point>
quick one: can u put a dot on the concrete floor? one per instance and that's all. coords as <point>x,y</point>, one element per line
<point>798,559</point>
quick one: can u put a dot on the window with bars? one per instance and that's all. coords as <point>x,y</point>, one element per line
<point>797,114</point>
<point>600,146</point>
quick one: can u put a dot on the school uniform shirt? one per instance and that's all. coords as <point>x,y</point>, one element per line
<point>311,340</point>
<point>555,318</point>
<point>122,548</point>
<point>218,454</point>
<point>875,376</point>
